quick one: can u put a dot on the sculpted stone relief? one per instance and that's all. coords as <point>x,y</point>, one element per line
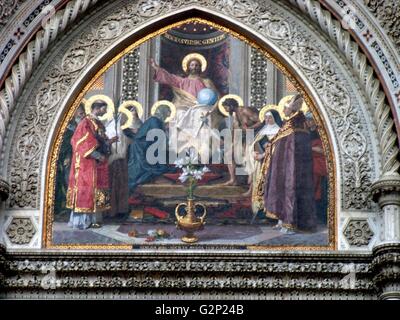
<point>21,231</point>
<point>7,9</point>
<point>146,278</point>
<point>358,232</point>
<point>306,276</point>
<point>388,14</point>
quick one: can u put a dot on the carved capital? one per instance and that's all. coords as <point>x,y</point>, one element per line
<point>4,190</point>
<point>386,267</point>
<point>386,191</point>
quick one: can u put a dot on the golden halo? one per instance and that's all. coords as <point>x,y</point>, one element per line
<point>110,106</point>
<point>265,109</point>
<point>164,103</point>
<point>229,96</point>
<point>197,56</point>
<point>284,101</point>
<point>123,109</point>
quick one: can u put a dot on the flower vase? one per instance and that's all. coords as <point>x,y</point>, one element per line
<point>189,222</point>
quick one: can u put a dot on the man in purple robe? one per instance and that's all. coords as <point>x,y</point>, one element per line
<point>286,182</point>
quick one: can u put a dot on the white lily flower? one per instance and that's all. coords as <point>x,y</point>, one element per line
<point>187,169</point>
<point>179,163</point>
<point>205,169</point>
<point>198,175</point>
<point>183,177</point>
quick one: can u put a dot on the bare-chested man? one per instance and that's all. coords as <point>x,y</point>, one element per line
<point>246,118</point>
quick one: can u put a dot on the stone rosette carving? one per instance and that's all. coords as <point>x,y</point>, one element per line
<point>358,232</point>
<point>20,231</point>
<point>292,38</point>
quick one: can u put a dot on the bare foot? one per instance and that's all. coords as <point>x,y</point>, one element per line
<point>247,193</point>
<point>230,183</point>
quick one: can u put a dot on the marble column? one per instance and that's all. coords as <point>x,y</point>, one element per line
<point>239,81</point>
<point>386,262</point>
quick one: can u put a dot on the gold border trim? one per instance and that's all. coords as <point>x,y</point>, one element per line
<point>327,145</point>
<point>89,152</point>
<point>82,139</point>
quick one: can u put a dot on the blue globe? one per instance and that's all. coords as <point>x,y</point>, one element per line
<point>207,97</point>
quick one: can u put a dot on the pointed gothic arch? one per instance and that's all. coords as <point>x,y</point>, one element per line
<point>271,30</point>
<point>361,133</point>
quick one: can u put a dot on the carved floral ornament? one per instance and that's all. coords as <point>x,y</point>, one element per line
<point>223,279</point>
<point>388,14</point>
<point>301,47</point>
<point>358,232</point>
<point>7,9</point>
<point>21,231</point>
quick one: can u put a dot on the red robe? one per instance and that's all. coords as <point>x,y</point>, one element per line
<point>191,85</point>
<point>88,188</point>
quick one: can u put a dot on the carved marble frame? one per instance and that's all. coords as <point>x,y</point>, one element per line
<point>181,10</point>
